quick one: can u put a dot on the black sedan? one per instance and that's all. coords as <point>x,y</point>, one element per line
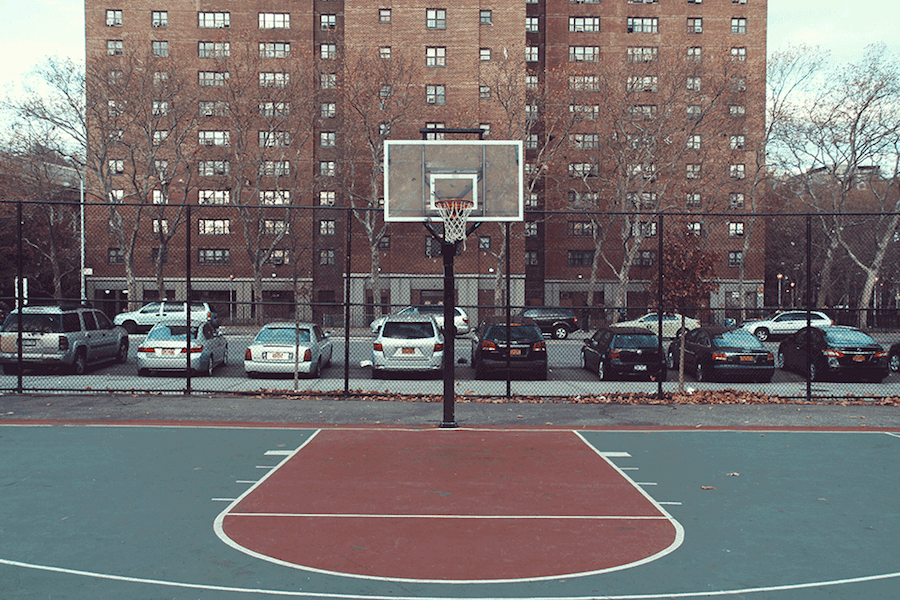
<point>833,352</point>
<point>524,354</point>
<point>722,353</point>
<point>623,352</point>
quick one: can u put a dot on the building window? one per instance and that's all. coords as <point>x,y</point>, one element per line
<point>328,81</point>
<point>157,197</point>
<point>736,110</point>
<point>212,78</point>
<point>435,18</point>
<point>581,229</point>
<point>436,56</point>
<point>327,139</point>
<point>275,197</point>
<point>585,141</point>
<point>695,53</point>
<point>736,200</point>
<point>160,226</point>
<point>739,1</point>
<point>160,136</point>
<point>384,15</point>
<point>692,171</point>
<point>275,168</point>
<point>692,199</point>
<point>113,18</point>
<point>114,47</point>
<point>155,256</point>
<point>584,24</point>
<point>642,53</point>
<point>646,258</point>
<point>531,259</point>
<point>274,79</point>
<point>276,49</point>
<point>694,25</point>
<point>327,227</point>
<point>213,49</point>
<point>326,257</point>
<point>484,17</point>
<point>484,54</point>
<point>214,226</point>
<point>327,198</point>
<point>695,228</point>
<point>736,171</point>
<point>739,25</point>
<point>115,256</point>
<point>213,168</point>
<point>159,18</point>
<point>584,53</point>
<point>214,197</point>
<point>739,54</point>
<point>213,20</point>
<point>583,169</point>
<point>589,112</point>
<point>694,84</point>
<point>532,24</point>
<point>328,51</point>
<point>579,258</point>
<point>642,25</point>
<point>116,165</point>
<point>531,82</point>
<point>737,142</point>
<point>327,168</point>
<point>585,83</point>
<point>738,84</point>
<point>484,92</point>
<point>484,243</point>
<point>435,94</point>
<point>278,257</point>
<point>327,22</point>
<point>694,112</point>
<point>116,196</point>
<point>736,230</point>
<point>274,226</point>
<point>213,108</point>
<point>160,48</point>
<point>485,129</point>
<point>274,20</point>
<point>274,139</point>
<point>213,256</point>
<point>531,228</point>
<point>531,54</point>
<point>694,142</point>
<point>214,138</point>
<point>434,135</point>
<point>274,109</point>
<point>643,112</point>
<point>646,83</point>
<point>643,1</point>
<point>384,53</point>
<point>735,259</point>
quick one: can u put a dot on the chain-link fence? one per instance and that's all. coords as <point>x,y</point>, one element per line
<point>740,285</point>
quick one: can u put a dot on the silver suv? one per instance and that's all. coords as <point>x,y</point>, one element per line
<point>149,315</point>
<point>55,336</point>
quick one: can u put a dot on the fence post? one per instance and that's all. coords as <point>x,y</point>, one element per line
<point>349,218</point>
<point>808,303</point>
<point>187,296</point>
<point>659,312</point>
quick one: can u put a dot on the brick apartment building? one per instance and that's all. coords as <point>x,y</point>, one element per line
<point>278,85</point>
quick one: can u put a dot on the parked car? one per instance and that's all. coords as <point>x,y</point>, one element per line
<point>284,347</point>
<point>555,321</point>
<point>526,353</point>
<point>622,351</point>
<point>785,323</point>
<point>408,343</point>
<point>461,320</point>
<point>166,349</point>
<point>894,357</point>
<point>55,336</point>
<point>671,323</point>
<point>722,353</point>
<point>157,312</point>
<point>834,351</point>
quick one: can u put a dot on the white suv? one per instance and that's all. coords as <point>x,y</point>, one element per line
<point>147,316</point>
<point>68,338</point>
<point>785,323</point>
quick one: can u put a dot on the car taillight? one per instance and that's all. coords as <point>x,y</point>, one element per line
<point>63,342</point>
<point>881,354</point>
<point>488,345</point>
<point>145,349</point>
<point>193,349</point>
<point>438,347</point>
<point>832,353</point>
<point>719,356</point>
<point>307,356</point>
<point>614,355</point>
<point>770,358</point>
<point>248,355</point>
<point>378,347</point>
<point>540,346</point>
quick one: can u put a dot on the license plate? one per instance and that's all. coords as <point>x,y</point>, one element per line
<point>859,358</point>
<point>167,352</point>
<point>640,367</point>
<point>515,352</point>
<point>408,350</point>
<point>29,342</point>
<point>746,359</point>
<point>278,355</point>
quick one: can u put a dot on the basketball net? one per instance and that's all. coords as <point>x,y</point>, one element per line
<point>454,213</point>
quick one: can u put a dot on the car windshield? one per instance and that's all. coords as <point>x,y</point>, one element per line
<point>636,340</point>
<point>739,338</point>
<point>848,337</point>
<point>46,323</point>
<point>407,331</point>
<point>432,309</point>
<point>518,333</point>
<point>170,332</point>
<point>282,335</point>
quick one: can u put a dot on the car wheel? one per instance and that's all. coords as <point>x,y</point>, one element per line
<point>700,373</point>
<point>130,326</point>
<point>560,332</point>
<point>779,360</point>
<point>122,354</point>
<point>79,365</point>
<point>894,362</point>
<point>762,334</point>
<point>601,371</point>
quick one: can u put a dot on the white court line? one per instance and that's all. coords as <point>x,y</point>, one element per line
<point>892,434</point>
<point>221,499</point>
<point>302,594</point>
<point>484,517</point>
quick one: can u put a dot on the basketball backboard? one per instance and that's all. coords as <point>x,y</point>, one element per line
<point>488,173</point>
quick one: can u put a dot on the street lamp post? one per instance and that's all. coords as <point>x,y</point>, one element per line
<point>780,277</point>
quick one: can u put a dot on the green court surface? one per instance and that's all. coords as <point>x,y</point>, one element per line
<point>128,512</point>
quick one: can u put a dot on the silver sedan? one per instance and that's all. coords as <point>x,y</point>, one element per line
<point>285,348</point>
<point>165,348</point>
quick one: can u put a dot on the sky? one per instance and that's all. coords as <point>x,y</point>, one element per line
<point>31,30</point>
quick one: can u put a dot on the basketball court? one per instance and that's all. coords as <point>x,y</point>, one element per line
<point>209,511</point>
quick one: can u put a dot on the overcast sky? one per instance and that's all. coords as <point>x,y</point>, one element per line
<point>31,30</point>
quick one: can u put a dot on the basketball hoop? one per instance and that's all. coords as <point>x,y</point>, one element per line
<point>454,213</point>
